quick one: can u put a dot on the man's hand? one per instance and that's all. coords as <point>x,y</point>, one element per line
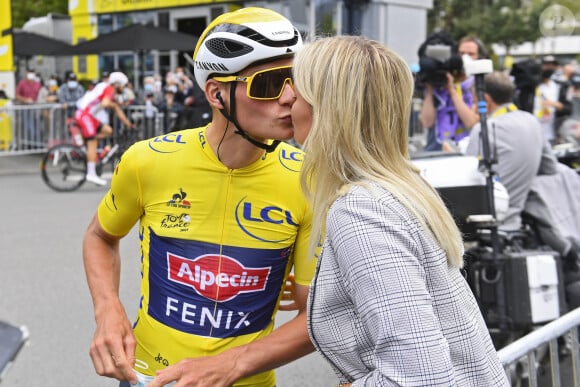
<point>286,343</point>
<point>289,294</point>
<point>113,346</point>
<point>212,371</point>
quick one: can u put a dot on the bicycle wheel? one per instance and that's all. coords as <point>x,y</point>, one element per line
<point>64,167</point>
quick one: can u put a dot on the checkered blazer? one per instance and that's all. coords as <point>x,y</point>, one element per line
<point>385,308</point>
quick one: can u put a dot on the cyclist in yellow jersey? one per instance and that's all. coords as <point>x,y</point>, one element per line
<point>222,222</point>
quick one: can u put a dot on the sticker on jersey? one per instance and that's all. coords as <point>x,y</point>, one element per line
<point>172,222</point>
<point>178,200</point>
<point>291,159</point>
<point>168,143</point>
<point>202,140</point>
<point>219,278</point>
<point>270,223</point>
<point>211,290</point>
<point>110,203</point>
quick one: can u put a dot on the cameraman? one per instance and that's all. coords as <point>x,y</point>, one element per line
<point>517,140</point>
<point>449,108</point>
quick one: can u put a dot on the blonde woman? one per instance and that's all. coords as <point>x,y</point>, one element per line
<point>388,305</point>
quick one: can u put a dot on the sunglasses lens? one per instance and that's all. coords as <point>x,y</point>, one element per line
<point>269,84</point>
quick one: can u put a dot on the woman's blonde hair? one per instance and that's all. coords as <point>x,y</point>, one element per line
<point>360,93</point>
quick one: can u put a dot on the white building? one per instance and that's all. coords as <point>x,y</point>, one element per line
<point>54,26</point>
<point>565,48</point>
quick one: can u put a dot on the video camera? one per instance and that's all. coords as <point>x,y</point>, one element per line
<point>437,57</point>
<point>527,76</point>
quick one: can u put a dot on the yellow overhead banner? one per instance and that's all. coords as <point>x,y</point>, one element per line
<point>6,49</point>
<point>110,6</point>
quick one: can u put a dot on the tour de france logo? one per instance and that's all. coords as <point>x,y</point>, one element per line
<point>557,20</point>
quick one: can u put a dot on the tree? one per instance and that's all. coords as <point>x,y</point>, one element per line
<point>23,10</point>
<point>507,22</point>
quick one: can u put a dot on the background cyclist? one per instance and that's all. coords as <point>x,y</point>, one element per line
<point>222,220</point>
<point>92,115</point>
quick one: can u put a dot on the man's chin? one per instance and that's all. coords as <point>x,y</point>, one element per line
<point>286,134</point>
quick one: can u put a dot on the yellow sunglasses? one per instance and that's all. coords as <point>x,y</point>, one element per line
<point>266,84</point>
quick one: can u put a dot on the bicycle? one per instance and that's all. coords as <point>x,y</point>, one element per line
<point>64,166</point>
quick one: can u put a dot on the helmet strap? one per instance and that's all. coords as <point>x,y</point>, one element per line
<point>230,116</point>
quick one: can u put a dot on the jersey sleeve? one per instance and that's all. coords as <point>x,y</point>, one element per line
<point>109,93</point>
<point>122,205</point>
<point>304,265</point>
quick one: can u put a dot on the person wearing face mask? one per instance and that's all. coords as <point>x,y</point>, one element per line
<point>47,92</point>
<point>27,92</point>
<point>449,111</point>
<point>28,88</point>
<point>69,93</point>
<point>150,92</point>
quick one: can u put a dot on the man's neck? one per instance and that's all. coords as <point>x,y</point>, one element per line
<point>231,149</point>
<point>492,107</point>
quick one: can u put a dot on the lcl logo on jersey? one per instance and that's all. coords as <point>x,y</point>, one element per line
<point>219,278</point>
<point>291,159</point>
<point>168,143</point>
<point>249,216</point>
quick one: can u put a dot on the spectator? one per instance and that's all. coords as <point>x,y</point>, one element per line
<point>127,96</point>
<point>170,109</point>
<point>27,91</point>
<point>69,93</point>
<point>571,127</point>
<point>149,90</point>
<point>564,97</point>
<point>28,88</point>
<point>183,79</point>
<point>92,84</point>
<point>546,102</point>
<point>157,84</point>
<point>196,111</point>
<point>173,85</point>
<point>48,93</point>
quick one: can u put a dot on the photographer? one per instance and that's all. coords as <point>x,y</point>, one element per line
<point>449,106</point>
<point>570,130</point>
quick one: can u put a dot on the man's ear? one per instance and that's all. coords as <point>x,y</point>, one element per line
<point>213,94</point>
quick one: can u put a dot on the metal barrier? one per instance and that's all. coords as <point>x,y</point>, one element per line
<point>28,129</point>
<point>526,349</point>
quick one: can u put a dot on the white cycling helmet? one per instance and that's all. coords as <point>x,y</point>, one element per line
<point>118,77</point>
<point>237,39</point>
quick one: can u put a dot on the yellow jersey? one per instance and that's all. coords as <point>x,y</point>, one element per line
<point>216,245</point>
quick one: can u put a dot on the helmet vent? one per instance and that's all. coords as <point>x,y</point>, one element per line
<point>257,37</point>
<point>254,35</point>
<point>226,48</point>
